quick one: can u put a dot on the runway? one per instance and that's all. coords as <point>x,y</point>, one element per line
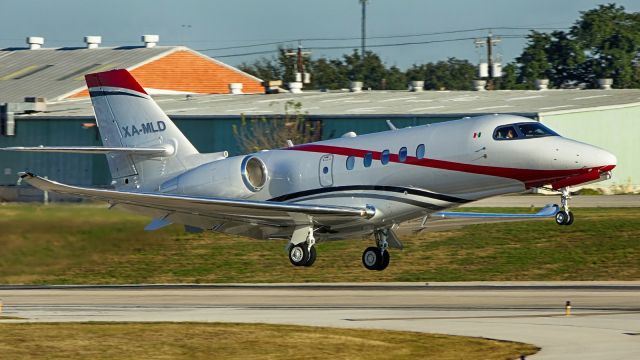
<point>605,320</point>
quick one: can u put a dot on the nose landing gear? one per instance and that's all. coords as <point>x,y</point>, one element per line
<point>564,216</point>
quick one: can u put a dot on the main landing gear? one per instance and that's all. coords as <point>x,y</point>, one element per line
<point>302,250</point>
<point>564,216</point>
<point>377,258</point>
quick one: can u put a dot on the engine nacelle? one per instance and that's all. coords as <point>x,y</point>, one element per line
<point>235,177</point>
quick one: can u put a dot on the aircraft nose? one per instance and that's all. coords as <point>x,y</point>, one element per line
<point>600,158</point>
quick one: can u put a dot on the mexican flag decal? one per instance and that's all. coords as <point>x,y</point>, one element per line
<point>477,135</point>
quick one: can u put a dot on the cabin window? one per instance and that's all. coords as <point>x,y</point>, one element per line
<point>351,162</point>
<point>505,133</point>
<point>420,151</point>
<point>384,159</point>
<point>531,130</point>
<point>368,158</point>
<point>402,154</point>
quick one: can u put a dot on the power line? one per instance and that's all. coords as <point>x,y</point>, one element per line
<point>382,36</point>
<point>355,46</point>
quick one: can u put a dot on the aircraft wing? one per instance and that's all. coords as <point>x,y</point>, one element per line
<point>151,151</point>
<point>547,211</point>
<point>253,212</point>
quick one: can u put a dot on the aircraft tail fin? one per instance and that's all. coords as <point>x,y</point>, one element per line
<point>127,117</point>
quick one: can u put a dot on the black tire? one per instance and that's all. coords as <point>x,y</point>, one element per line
<point>562,217</point>
<point>571,218</point>
<point>385,261</point>
<point>298,254</point>
<point>312,257</point>
<point>371,258</point>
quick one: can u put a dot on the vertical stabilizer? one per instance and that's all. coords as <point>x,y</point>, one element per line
<point>128,117</point>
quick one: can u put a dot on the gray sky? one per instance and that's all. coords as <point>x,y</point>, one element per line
<point>213,24</point>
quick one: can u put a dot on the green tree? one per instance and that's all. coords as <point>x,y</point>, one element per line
<point>258,134</point>
<point>328,74</point>
<point>509,79</point>
<point>611,38</point>
<point>452,74</point>
<point>395,79</point>
<point>566,58</point>
<point>369,69</point>
<point>533,62</point>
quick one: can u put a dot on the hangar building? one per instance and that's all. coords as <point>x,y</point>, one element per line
<point>606,118</point>
<point>54,74</point>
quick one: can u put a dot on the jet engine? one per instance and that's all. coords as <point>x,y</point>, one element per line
<point>235,177</point>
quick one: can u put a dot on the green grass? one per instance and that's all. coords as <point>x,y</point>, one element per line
<point>238,341</point>
<point>87,244</point>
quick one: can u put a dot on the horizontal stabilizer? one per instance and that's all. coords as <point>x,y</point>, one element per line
<point>165,150</point>
<point>547,211</point>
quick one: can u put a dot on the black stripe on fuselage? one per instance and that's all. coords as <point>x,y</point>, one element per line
<point>395,189</point>
<point>106,93</point>
<point>420,204</point>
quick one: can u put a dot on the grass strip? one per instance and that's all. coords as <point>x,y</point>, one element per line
<point>238,341</point>
<point>88,244</point>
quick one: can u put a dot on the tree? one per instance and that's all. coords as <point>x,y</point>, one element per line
<point>509,79</point>
<point>533,62</point>
<point>395,79</point>
<point>453,74</point>
<point>369,69</point>
<point>267,133</point>
<point>328,74</point>
<point>611,39</point>
<point>566,58</point>
<point>282,67</point>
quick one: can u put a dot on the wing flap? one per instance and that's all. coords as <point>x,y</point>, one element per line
<point>277,214</point>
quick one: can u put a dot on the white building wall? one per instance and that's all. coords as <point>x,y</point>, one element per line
<point>616,129</point>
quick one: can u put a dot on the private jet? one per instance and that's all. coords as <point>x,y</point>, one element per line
<point>353,186</point>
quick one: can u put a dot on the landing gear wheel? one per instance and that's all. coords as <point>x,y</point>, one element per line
<point>371,258</point>
<point>299,255</point>
<point>385,261</point>
<point>312,256</point>
<point>570,221</point>
<point>564,218</point>
<point>561,217</point>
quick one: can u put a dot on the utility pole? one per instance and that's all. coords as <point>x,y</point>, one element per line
<point>492,66</point>
<point>299,54</point>
<point>364,25</point>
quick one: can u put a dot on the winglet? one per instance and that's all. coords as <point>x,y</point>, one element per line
<point>24,174</point>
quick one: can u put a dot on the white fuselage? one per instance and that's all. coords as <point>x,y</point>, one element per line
<point>462,162</point>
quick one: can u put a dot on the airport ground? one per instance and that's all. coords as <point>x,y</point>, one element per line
<point>541,266</point>
<point>87,244</point>
<point>603,324</point>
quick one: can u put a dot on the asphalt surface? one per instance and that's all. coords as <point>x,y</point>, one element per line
<point>605,320</point>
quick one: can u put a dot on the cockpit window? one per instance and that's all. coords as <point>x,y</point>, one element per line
<point>505,133</point>
<point>526,130</point>
<point>530,130</point>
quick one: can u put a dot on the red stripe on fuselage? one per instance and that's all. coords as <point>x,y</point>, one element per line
<point>119,78</point>
<point>530,177</point>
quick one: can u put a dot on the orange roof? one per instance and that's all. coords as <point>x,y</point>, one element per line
<point>188,71</point>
